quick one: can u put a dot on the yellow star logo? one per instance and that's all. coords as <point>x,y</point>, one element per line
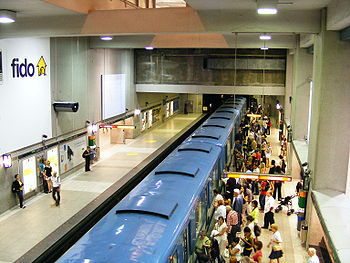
<point>41,66</point>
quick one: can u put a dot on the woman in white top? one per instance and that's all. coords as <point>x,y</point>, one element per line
<point>275,243</point>
<point>220,234</point>
<point>268,153</point>
<point>220,211</point>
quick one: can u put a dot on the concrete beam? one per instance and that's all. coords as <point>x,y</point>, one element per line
<point>338,14</point>
<point>207,89</point>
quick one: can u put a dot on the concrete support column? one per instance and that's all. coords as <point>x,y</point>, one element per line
<point>302,76</point>
<point>289,88</point>
<point>330,126</point>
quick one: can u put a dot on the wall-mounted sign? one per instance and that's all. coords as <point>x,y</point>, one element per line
<point>29,174</point>
<point>25,93</point>
<point>71,154</point>
<point>126,127</point>
<point>27,69</point>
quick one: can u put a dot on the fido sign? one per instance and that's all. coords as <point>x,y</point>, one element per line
<point>27,69</point>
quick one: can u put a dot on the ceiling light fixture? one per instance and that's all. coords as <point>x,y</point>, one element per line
<point>106,38</point>
<point>267,7</point>
<point>7,16</point>
<point>149,48</point>
<point>265,37</point>
<point>264,48</point>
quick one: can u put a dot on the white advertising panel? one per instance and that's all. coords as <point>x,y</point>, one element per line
<point>29,174</point>
<point>71,154</point>
<point>113,95</point>
<point>52,156</point>
<point>25,100</point>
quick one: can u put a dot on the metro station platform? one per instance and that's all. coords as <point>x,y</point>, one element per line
<point>23,229</point>
<point>293,251</point>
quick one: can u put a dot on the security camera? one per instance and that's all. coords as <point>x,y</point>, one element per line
<point>44,136</point>
<point>66,106</point>
<point>305,164</point>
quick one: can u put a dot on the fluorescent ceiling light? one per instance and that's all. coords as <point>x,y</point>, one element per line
<point>267,11</point>
<point>149,48</point>
<point>265,37</point>
<point>267,7</point>
<point>264,48</point>
<point>7,16</point>
<point>106,38</point>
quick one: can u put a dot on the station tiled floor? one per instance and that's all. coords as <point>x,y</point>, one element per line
<point>294,252</point>
<point>21,229</point>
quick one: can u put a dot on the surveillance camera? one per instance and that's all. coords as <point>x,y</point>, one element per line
<point>44,136</point>
<point>305,164</point>
<point>87,122</point>
<point>66,106</point>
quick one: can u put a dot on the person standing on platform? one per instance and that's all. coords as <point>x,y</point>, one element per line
<point>202,248</point>
<point>87,157</point>
<point>313,258</point>
<point>268,211</point>
<point>275,243</point>
<point>56,183</point>
<point>17,188</point>
<point>232,223</point>
<point>48,174</point>
<point>237,205</point>
<point>43,176</point>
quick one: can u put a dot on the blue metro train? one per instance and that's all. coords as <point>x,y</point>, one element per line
<point>160,219</point>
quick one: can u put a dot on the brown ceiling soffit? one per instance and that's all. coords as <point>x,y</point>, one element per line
<point>85,6</point>
<point>189,41</point>
<point>153,20</point>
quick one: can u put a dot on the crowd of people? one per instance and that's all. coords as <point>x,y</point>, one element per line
<point>236,232</point>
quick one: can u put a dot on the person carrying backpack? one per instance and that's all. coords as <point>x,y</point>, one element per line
<point>17,188</point>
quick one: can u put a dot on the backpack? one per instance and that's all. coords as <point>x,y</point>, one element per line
<point>257,230</point>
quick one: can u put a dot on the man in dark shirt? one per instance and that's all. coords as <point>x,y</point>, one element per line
<point>87,157</point>
<point>17,188</point>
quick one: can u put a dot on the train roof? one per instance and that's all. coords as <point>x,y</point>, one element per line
<point>147,222</point>
<point>216,128</point>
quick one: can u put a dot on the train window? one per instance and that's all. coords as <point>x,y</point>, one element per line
<point>185,245</point>
<point>215,176</point>
<point>198,216</point>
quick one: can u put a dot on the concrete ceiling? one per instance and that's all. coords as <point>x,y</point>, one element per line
<point>203,23</point>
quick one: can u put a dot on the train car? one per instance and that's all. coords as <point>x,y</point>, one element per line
<point>160,219</point>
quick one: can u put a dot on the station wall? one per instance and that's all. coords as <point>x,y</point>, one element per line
<point>77,77</point>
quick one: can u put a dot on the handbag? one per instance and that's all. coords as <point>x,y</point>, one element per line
<point>276,247</point>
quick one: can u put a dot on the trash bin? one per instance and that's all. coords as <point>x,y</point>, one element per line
<point>303,233</point>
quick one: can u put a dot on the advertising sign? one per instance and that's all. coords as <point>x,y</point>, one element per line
<point>25,95</point>
<point>29,174</point>
<point>52,156</point>
<point>71,154</point>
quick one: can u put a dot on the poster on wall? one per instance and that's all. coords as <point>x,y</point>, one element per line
<point>171,107</point>
<point>29,174</point>
<point>52,156</point>
<point>71,154</point>
<point>113,95</point>
<point>25,92</point>
<point>150,118</point>
<point>144,121</point>
<point>167,110</point>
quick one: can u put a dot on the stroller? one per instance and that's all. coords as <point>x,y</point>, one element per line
<point>287,201</point>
